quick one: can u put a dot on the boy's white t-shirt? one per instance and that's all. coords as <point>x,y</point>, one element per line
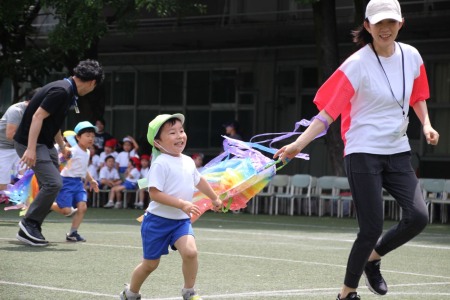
<point>144,172</point>
<point>110,174</point>
<point>104,155</point>
<point>133,176</point>
<point>124,157</point>
<point>176,176</point>
<point>77,165</point>
<point>92,169</point>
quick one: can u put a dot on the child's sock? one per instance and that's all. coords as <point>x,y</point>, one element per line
<point>189,291</point>
<point>72,230</point>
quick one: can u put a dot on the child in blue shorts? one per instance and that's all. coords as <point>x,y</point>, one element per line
<point>72,197</point>
<point>132,175</point>
<point>172,180</point>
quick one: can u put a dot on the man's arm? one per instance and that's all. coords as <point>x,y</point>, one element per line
<point>29,157</point>
<point>11,130</point>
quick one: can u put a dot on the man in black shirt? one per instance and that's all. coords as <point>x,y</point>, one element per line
<point>35,138</point>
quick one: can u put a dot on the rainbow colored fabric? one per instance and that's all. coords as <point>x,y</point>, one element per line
<point>236,175</point>
<point>22,193</point>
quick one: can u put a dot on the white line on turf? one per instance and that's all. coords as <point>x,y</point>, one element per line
<point>311,293</point>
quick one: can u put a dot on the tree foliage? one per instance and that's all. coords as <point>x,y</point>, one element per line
<point>78,28</point>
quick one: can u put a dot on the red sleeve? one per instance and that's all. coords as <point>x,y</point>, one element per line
<point>335,94</point>
<point>421,90</point>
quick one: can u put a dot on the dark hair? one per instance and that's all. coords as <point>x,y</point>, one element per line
<point>101,121</point>
<point>108,157</point>
<point>84,130</point>
<point>361,36</point>
<point>31,93</point>
<point>172,121</point>
<point>88,70</point>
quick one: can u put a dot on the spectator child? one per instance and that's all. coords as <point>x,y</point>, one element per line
<point>95,158</point>
<point>198,160</point>
<point>109,149</point>
<point>129,149</point>
<point>72,197</point>
<point>145,167</point>
<point>132,175</point>
<point>109,176</point>
<point>101,136</point>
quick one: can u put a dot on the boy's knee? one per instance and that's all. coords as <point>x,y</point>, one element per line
<point>190,254</point>
<point>82,207</point>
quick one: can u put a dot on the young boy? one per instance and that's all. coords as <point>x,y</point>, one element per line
<point>145,168</point>
<point>109,176</point>
<point>132,175</point>
<point>73,194</point>
<point>172,180</point>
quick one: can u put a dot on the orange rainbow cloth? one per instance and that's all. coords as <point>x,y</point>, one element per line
<point>236,176</point>
<point>22,193</point>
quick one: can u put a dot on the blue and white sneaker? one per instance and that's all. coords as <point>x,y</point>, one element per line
<point>75,237</point>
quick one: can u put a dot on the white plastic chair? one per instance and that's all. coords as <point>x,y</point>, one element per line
<point>342,191</point>
<point>265,194</point>
<point>280,184</point>
<point>394,211</point>
<point>301,186</point>
<point>325,192</point>
<point>433,193</point>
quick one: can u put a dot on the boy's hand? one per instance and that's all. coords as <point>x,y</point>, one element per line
<point>190,208</point>
<point>217,204</point>
<point>94,186</point>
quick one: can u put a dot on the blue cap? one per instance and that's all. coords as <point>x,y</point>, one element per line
<point>83,125</point>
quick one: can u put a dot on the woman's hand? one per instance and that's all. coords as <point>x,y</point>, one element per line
<point>287,152</point>
<point>431,135</point>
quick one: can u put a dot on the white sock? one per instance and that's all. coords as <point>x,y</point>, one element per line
<point>191,291</point>
<point>130,293</point>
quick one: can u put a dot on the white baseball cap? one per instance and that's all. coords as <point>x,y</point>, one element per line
<point>378,10</point>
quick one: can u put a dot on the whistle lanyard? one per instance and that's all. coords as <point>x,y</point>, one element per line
<point>389,83</point>
<point>75,97</point>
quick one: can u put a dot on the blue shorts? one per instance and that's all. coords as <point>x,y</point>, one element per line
<point>159,233</point>
<point>129,185</point>
<point>71,192</point>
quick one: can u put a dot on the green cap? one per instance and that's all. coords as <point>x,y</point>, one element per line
<point>155,125</point>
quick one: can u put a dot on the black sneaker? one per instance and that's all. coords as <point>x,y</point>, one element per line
<point>352,295</point>
<point>374,280</point>
<point>21,236</point>
<point>32,229</point>
<point>75,237</point>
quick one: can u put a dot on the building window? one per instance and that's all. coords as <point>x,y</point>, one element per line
<point>208,98</point>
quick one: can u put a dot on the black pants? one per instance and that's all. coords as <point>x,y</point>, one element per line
<point>367,175</point>
<point>49,180</point>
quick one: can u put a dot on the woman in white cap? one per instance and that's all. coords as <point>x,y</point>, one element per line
<point>372,92</point>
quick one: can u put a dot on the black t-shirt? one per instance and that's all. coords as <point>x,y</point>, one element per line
<point>100,139</point>
<point>55,98</point>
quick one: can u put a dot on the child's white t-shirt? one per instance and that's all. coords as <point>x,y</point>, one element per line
<point>92,169</point>
<point>176,176</point>
<point>110,174</point>
<point>144,172</point>
<point>124,157</point>
<point>133,176</point>
<point>104,155</point>
<point>77,165</point>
